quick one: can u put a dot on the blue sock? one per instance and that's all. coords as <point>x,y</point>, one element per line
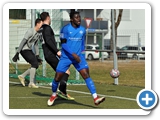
<point>90,85</point>
<point>54,85</point>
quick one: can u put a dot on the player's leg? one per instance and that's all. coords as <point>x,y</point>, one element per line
<point>63,87</point>
<point>53,60</point>
<point>90,84</point>
<point>30,57</point>
<point>27,72</point>
<point>63,82</point>
<point>83,69</point>
<point>22,77</point>
<point>62,67</point>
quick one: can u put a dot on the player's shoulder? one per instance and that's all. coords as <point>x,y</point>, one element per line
<point>45,26</point>
<point>30,31</point>
<point>40,30</point>
<point>81,27</point>
<point>65,27</point>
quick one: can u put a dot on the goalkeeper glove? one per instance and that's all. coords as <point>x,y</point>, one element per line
<point>16,57</point>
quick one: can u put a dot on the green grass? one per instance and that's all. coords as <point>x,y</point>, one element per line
<point>131,73</point>
<point>131,81</point>
<point>28,98</point>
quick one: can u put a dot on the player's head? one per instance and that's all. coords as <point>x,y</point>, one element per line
<point>45,18</point>
<point>38,23</point>
<point>75,18</point>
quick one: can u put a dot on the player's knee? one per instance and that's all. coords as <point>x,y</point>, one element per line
<point>68,72</point>
<point>85,75</point>
<point>35,65</point>
<point>63,83</point>
<point>58,77</point>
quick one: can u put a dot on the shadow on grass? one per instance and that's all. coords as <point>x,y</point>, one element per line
<point>111,91</point>
<point>61,100</point>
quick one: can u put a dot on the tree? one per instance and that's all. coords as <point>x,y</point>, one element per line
<point>116,27</point>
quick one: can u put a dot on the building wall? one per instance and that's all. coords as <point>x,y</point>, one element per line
<point>133,29</point>
<point>137,20</point>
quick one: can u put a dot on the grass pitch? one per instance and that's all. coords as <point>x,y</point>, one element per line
<point>117,97</point>
<point>121,96</point>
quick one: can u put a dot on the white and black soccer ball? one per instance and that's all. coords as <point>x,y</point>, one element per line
<point>114,73</point>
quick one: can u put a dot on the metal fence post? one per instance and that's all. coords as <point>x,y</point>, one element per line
<point>114,47</point>
<point>16,62</point>
<point>139,44</point>
<point>102,46</point>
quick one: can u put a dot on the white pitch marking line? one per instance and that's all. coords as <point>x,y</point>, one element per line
<point>118,97</point>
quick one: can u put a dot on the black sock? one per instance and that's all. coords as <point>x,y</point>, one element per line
<point>63,83</point>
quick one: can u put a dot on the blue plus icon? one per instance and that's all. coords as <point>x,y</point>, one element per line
<point>147,99</point>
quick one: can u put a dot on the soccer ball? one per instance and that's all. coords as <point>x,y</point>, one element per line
<point>114,73</point>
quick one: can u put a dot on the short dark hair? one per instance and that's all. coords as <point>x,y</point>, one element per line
<point>44,15</point>
<point>37,21</point>
<point>72,13</point>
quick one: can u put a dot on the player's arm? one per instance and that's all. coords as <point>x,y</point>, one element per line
<point>36,48</point>
<point>27,35</point>
<point>67,49</point>
<point>16,56</point>
<point>23,42</point>
<point>49,40</point>
<point>65,46</point>
<point>63,38</point>
<point>37,52</point>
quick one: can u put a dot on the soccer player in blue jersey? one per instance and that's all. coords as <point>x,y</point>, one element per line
<point>72,38</point>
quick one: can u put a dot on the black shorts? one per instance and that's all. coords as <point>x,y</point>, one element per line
<point>30,57</point>
<point>50,57</point>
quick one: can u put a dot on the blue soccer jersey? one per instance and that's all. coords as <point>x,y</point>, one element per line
<point>75,40</point>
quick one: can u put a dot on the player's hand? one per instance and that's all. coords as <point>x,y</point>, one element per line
<point>59,53</point>
<point>76,57</point>
<point>16,57</point>
<point>39,59</point>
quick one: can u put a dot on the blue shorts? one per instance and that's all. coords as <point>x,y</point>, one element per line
<point>65,63</point>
